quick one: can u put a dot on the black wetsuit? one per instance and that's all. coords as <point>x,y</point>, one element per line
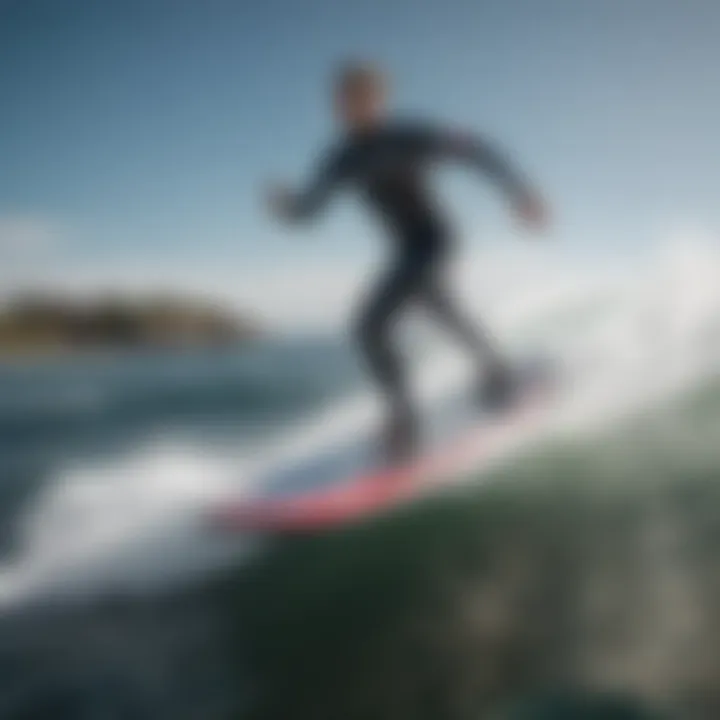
<point>388,166</point>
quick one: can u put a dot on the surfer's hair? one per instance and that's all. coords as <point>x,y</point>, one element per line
<point>359,76</point>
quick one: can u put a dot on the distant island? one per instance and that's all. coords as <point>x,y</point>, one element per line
<point>43,324</point>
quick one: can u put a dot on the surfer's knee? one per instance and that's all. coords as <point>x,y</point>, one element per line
<point>372,332</point>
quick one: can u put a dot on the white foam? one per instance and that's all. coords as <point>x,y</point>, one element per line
<point>128,525</point>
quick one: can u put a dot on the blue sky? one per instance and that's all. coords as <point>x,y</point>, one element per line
<point>137,134</point>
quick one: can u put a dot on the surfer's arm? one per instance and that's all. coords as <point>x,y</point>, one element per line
<point>484,156</point>
<point>313,198</point>
<point>527,203</point>
<point>488,159</point>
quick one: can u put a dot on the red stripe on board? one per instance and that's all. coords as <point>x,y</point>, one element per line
<point>367,494</point>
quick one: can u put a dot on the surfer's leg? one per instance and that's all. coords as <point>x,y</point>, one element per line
<point>472,335</point>
<point>375,335</point>
<point>436,297</point>
<point>495,377</point>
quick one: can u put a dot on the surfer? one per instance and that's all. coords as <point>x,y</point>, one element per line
<point>386,160</point>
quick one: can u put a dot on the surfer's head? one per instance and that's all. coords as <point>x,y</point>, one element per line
<point>360,91</point>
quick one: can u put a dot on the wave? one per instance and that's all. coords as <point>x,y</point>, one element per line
<point>626,341</point>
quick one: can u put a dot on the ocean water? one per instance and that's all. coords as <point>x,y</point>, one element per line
<point>577,577</point>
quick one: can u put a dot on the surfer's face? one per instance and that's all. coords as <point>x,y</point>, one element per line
<point>360,104</point>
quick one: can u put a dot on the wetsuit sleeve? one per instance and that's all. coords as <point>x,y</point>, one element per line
<point>482,155</point>
<point>328,177</point>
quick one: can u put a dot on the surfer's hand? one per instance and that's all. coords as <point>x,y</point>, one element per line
<point>533,213</point>
<point>281,202</point>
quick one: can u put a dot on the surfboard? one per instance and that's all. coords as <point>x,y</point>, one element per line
<point>349,483</point>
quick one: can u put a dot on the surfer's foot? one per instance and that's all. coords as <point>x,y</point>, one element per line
<point>400,439</point>
<point>497,389</point>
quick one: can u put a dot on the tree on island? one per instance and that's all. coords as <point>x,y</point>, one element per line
<point>43,321</point>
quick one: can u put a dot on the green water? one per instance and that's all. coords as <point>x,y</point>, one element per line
<point>582,582</point>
